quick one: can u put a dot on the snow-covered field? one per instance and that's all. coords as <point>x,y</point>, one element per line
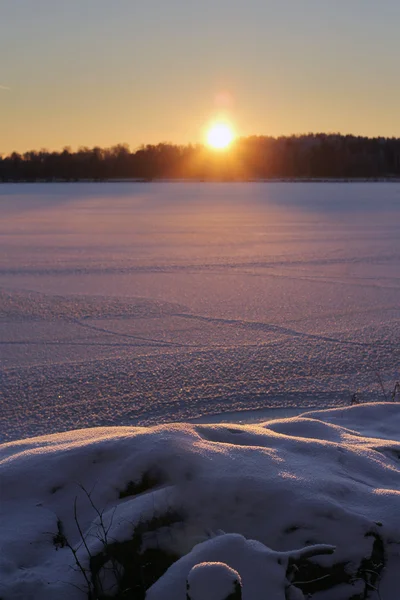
<point>149,303</point>
<point>308,505</point>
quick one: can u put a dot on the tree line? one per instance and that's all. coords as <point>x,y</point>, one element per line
<point>255,157</point>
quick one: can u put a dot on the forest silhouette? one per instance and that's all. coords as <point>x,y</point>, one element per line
<point>250,158</point>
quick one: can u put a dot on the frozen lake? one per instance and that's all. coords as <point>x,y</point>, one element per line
<point>127,303</point>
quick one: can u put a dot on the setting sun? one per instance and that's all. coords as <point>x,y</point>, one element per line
<point>220,136</point>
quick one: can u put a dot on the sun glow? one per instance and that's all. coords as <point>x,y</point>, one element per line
<point>220,136</point>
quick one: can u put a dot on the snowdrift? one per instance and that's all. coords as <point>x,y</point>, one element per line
<point>307,505</point>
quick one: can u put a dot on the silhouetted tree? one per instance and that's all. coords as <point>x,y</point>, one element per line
<point>257,157</point>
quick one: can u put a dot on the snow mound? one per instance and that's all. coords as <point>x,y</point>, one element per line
<point>213,580</point>
<point>256,567</point>
<point>96,508</point>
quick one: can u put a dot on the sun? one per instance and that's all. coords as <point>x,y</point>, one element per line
<point>220,136</point>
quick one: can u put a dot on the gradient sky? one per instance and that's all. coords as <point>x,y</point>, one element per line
<point>99,72</point>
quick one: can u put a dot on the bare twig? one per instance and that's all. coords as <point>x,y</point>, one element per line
<point>379,378</point>
<point>396,390</point>
<point>311,580</point>
<point>83,538</point>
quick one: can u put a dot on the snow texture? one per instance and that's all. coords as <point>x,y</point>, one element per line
<point>139,304</point>
<point>249,496</point>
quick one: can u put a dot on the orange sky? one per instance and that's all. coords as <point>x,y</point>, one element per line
<point>99,73</point>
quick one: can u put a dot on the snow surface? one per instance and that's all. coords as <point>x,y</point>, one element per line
<point>146,303</point>
<point>246,494</point>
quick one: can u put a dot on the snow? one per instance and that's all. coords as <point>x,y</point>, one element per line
<point>259,568</point>
<point>255,497</point>
<point>212,580</point>
<point>139,304</point>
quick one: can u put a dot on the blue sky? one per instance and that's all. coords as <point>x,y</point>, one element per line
<point>86,72</point>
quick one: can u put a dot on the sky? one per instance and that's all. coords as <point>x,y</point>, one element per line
<point>101,72</point>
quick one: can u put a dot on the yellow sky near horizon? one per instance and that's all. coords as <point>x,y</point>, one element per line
<point>91,73</point>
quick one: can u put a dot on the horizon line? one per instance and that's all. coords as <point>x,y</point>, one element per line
<point>187,144</point>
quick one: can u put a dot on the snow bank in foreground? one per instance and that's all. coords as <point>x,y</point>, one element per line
<point>148,504</point>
